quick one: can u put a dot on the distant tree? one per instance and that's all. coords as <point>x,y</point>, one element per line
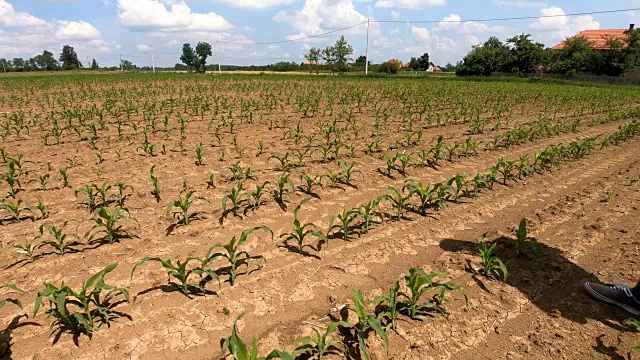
<point>188,56</point>
<point>449,68</point>
<point>18,64</point>
<point>46,61</point>
<point>485,59</point>
<point>420,64</point>
<point>613,61</point>
<point>94,65</point>
<point>128,65</point>
<point>203,50</point>
<point>342,53</point>
<point>313,56</point>
<point>69,58</point>
<point>361,59</point>
<point>5,65</point>
<point>389,67</point>
<point>328,54</point>
<point>577,55</point>
<point>526,54</point>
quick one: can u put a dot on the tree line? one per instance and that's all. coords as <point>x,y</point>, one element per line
<point>521,54</point>
<point>46,61</point>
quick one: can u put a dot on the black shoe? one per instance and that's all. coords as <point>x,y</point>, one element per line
<point>619,295</point>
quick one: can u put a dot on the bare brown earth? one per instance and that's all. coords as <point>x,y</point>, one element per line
<point>540,312</point>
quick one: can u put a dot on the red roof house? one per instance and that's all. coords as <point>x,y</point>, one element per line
<point>599,38</point>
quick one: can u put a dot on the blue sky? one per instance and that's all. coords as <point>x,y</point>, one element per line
<point>105,29</point>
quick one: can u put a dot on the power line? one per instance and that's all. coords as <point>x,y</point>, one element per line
<point>506,19</point>
<point>289,40</point>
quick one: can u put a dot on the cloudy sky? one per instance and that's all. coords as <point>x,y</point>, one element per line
<point>105,29</point>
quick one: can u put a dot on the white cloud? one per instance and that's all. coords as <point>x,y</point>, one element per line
<point>395,14</point>
<point>153,15</point>
<point>431,42</point>
<point>453,22</point>
<point>11,18</point>
<point>317,16</point>
<point>410,4</point>
<point>76,30</point>
<point>25,35</point>
<point>256,4</point>
<point>556,25</point>
<point>144,48</point>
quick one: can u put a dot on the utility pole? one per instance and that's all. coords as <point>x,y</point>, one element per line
<point>121,69</point>
<point>153,62</point>
<point>366,56</point>
<point>218,50</point>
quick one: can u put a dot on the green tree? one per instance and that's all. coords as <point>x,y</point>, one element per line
<point>18,64</point>
<point>389,67</point>
<point>69,58</point>
<point>420,64</point>
<point>203,50</point>
<point>342,53</point>
<point>188,56</point>
<point>128,65</point>
<point>526,54</point>
<point>46,61</point>
<point>328,54</point>
<point>577,55</point>
<point>485,59</point>
<point>94,65</point>
<point>313,56</point>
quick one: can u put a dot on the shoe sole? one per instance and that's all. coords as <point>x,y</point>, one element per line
<point>603,298</point>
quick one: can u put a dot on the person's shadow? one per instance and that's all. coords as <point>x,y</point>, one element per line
<point>552,282</point>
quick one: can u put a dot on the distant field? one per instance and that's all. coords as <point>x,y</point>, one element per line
<point>347,184</point>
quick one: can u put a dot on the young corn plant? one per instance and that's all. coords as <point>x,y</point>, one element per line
<point>92,196</point>
<point>199,154</point>
<point>348,171</point>
<point>283,186</point>
<point>393,306</point>
<point>255,197</point>
<point>234,256</point>
<point>59,243</point>
<point>368,212</point>
<point>179,209</point>
<point>28,250</point>
<point>239,351</point>
<point>424,194</point>
<point>156,185</point>
<point>343,222</point>
<point>285,164</point>
<point>524,242</point>
<point>181,273</point>
<point>366,322</point>
<point>333,177</point>
<point>236,197</point>
<point>309,183</point>
<point>15,208</point>
<point>461,186</point>
<point>42,209</point>
<point>11,300</point>
<point>419,283</point>
<point>301,231</point>
<point>398,200</point>
<point>108,226</point>
<point>122,195</point>
<point>83,311</point>
<point>316,346</point>
<point>65,177</point>
<point>505,168</point>
<point>493,266</point>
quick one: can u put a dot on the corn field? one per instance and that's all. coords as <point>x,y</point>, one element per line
<point>147,216</point>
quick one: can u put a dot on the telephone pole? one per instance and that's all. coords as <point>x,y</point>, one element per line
<point>366,56</point>
<point>121,69</point>
<point>218,51</point>
<point>153,62</point>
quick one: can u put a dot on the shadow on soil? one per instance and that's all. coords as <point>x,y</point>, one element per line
<point>551,282</point>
